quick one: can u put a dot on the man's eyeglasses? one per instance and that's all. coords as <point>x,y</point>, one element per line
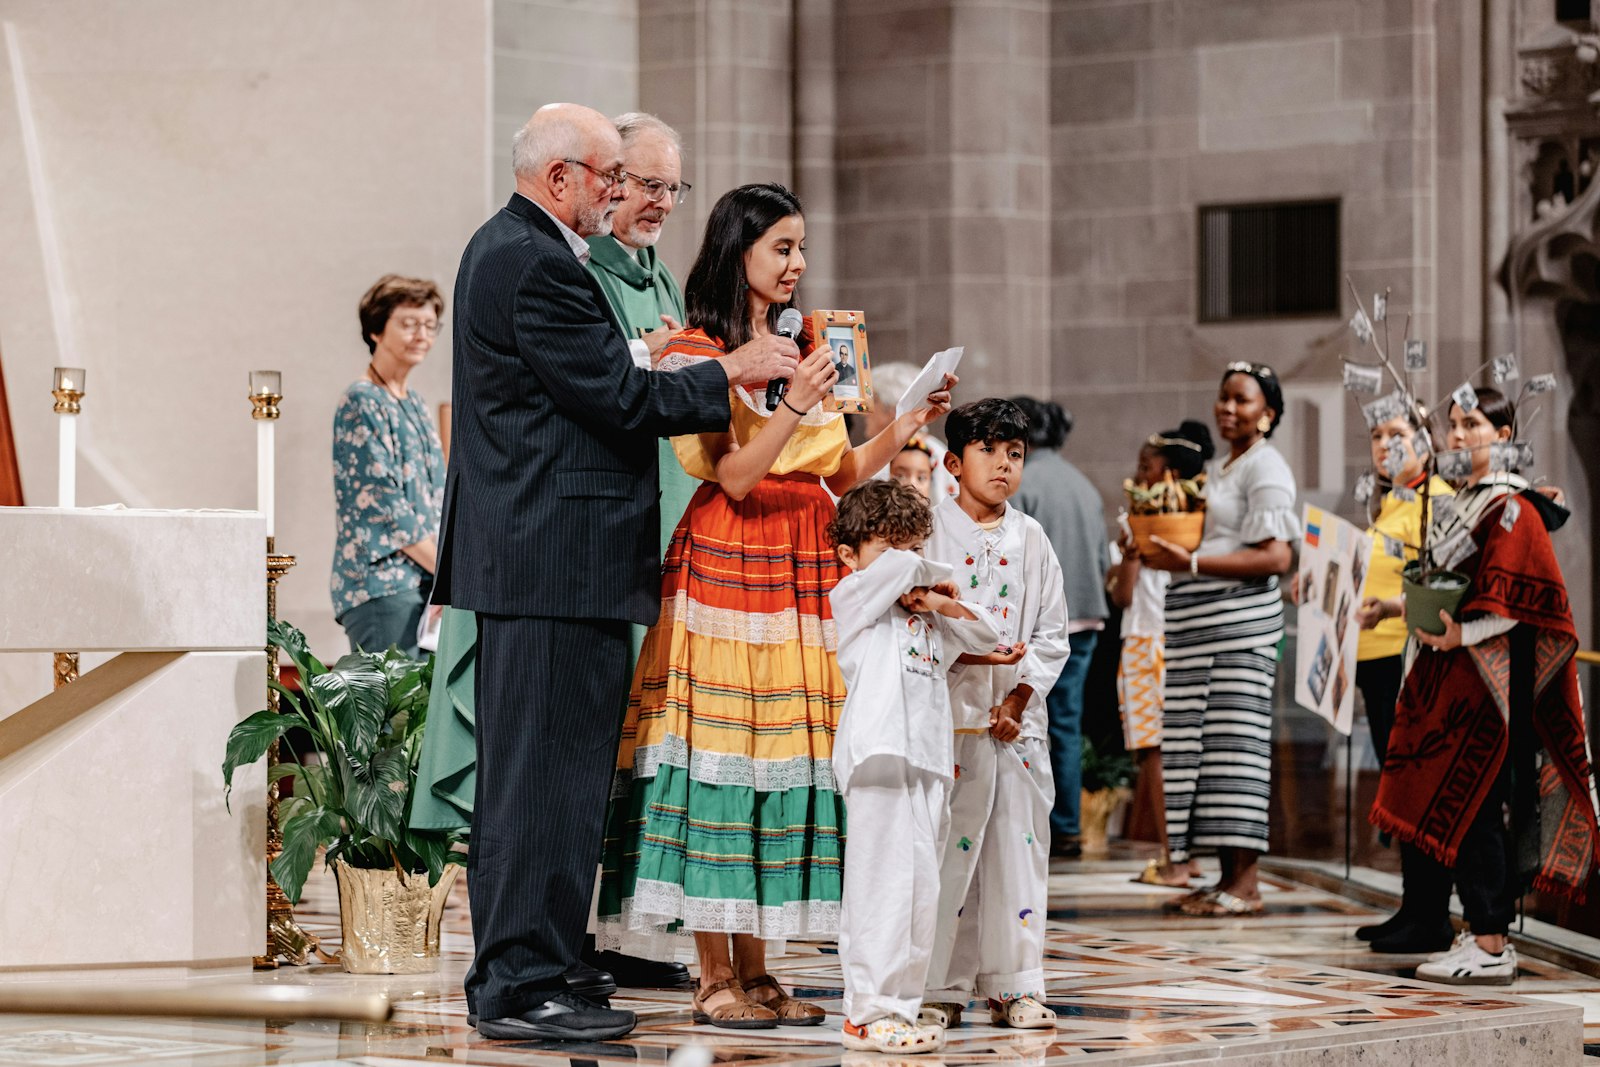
<point>610,177</point>
<point>655,188</point>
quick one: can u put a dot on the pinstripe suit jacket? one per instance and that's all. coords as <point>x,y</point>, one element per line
<point>551,502</point>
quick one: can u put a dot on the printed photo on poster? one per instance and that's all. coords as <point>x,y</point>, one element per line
<point>1335,557</point>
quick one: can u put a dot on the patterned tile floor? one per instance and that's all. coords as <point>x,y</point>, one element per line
<point>1130,984</point>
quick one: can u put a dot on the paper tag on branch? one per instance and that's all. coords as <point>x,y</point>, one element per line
<point>1465,397</point>
<point>1504,456</point>
<point>1381,410</point>
<point>1455,466</point>
<point>1363,379</point>
<point>1444,508</point>
<point>1380,307</point>
<point>1421,444</point>
<point>1504,368</point>
<point>1508,516</point>
<point>1365,485</point>
<point>1524,456</point>
<point>1393,546</point>
<point>1416,355</point>
<point>1544,383</point>
<point>1455,548</point>
<point>1403,493</point>
<point>1361,326</point>
<point>1394,458</point>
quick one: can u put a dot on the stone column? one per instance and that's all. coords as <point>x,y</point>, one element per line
<point>942,139</point>
<point>721,72</point>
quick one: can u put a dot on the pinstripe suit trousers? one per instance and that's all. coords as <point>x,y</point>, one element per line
<point>550,699</point>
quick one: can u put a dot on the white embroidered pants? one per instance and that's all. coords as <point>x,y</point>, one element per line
<point>898,816</point>
<point>994,882</point>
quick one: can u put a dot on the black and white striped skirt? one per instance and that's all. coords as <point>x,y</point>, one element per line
<point>1216,746</point>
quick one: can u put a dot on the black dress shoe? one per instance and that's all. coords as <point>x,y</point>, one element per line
<point>1385,928</point>
<point>564,1017</point>
<point>635,972</point>
<point>1415,938</point>
<point>592,982</point>
<point>1065,848</point>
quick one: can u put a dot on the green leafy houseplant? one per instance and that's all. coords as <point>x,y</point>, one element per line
<point>366,713</point>
<point>1105,770</point>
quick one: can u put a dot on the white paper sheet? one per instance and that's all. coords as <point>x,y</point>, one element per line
<point>929,379</point>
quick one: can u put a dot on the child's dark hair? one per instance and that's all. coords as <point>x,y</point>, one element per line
<point>881,508</point>
<point>990,419</point>
<point>917,444</point>
<point>1185,449</point>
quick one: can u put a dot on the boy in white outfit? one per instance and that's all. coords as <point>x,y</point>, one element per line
<point>900,625</point>
<point>994,878</point>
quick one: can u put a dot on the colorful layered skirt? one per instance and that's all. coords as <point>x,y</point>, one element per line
<point>724,815</point>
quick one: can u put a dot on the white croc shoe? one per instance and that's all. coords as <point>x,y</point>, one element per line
<point>1021,1013</point>
<point>893,1034</point>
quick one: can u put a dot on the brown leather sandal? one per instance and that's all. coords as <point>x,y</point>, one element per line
<point>790,1012</point>
<point>740,1013</point>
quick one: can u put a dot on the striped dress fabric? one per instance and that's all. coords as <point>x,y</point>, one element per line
<point>1216,749</point>
<point>725,816</point>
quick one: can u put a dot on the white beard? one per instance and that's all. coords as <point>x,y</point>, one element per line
<point>638,238</point>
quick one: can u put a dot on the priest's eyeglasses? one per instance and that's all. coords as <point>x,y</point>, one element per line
<point>609,177</point>
<point>655,188</point>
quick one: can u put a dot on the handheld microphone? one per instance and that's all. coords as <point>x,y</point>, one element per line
<point>789,325</point>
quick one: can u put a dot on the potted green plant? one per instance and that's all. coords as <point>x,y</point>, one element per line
<point>366,714</point>
<point>1107,782</point>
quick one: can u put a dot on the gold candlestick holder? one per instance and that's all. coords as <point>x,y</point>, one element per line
<point>66,668</point>
<point>285,937</point>
<point>68,386</point>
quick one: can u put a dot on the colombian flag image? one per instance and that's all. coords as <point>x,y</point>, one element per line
<point>1313,527</point>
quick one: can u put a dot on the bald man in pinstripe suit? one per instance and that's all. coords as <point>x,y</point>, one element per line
<point>550,535</point>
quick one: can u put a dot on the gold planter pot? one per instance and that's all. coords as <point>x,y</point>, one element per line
<point>390,921</point>
<point>1095,815</point>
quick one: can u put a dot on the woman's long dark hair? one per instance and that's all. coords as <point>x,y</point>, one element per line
<point>1497,408</point>
<point>714,294</point>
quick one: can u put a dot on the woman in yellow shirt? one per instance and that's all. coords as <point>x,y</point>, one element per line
<point>725,821</point>
<point>1423,922</point>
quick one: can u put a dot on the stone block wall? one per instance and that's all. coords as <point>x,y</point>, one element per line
<point>1161,107</point>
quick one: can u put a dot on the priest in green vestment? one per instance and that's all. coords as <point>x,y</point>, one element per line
<point>647,304</point>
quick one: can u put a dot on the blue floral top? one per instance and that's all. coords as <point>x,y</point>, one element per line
<point>388,486</point>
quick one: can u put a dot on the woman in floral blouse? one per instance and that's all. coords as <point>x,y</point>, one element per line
<point>388,473</point>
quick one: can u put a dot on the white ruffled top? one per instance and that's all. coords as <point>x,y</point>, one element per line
<point>1248,502</point>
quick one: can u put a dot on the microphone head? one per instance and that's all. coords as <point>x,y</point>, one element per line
<point>790,322</point>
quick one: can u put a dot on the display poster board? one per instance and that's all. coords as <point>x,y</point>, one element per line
<point>1334,556</point>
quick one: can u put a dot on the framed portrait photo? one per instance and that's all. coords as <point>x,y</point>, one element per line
<point>846,333</point>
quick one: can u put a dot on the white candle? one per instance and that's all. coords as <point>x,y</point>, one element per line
<point>67,463</point>
<point>265,480</point>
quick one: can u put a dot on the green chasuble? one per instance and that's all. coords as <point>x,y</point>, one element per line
<point>640,290</point>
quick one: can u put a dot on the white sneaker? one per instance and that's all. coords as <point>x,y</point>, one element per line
<point>1455,946</point>
<point>1468,964</point>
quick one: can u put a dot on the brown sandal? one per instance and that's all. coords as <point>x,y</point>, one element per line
<point>741,1013</point>
<point>790,1012</point>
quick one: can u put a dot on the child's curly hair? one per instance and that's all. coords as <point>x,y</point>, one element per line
<point>897,513</point>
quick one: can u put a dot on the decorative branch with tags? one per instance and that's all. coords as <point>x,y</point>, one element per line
<point>1431,570</point>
